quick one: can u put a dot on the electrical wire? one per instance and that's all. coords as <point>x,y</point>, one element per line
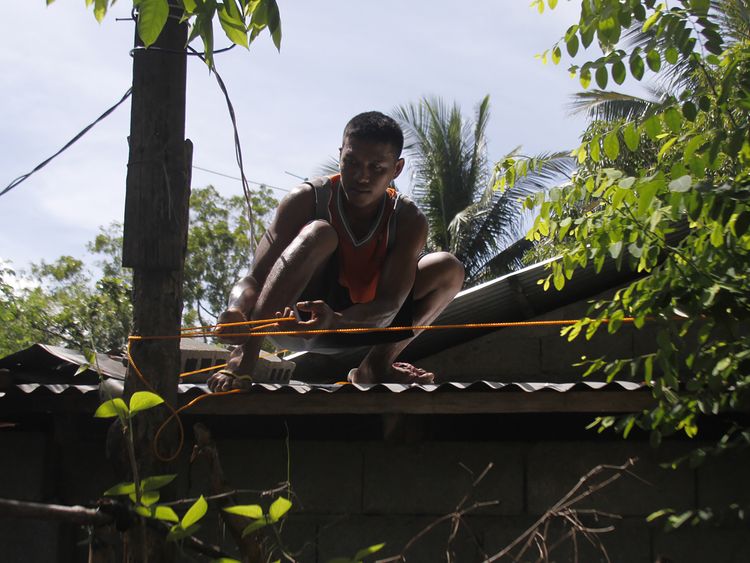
<point>67,145</point>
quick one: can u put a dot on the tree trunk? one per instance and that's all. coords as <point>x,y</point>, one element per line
<point>155,240</point>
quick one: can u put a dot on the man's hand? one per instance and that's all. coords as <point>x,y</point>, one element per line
<point>323,317</point>
<point>232,316</point>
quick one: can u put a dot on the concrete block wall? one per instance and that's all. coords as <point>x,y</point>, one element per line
<point>349,495</point>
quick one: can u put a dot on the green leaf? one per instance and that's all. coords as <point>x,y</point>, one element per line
<point>257,525</point>
<point>612,145</point>
<point>120,489</point>
<point>556,54</point>
<point>646,193</point>
<point>594,150</point>
<point>152,16</point>
<point>572,45</point>
<point>671,55</point>
<point>651,21</point>
<point>279,507</point>
<point>618,72</point>
<point>615,249</point>
<point>274,23</point>
<point>156,482</point>
<point>115,407</point>
<point>142,400</point>
<point>689,111</point>
<point>631,136</point>
<point>601,77</point>
<point>362,553</point>
<point>673,119</point>
<point>232,23</point>
<point>652,126</point>
<point>147,499</point>
<point>194,513</point>
<point>681,184</point>
<point>585,77</point>
<point>164,513</point>
<point>637,67</point>
<point>247,510</point>
<point>552,4</point>
<point>653,60</point>
<point>100,10</point>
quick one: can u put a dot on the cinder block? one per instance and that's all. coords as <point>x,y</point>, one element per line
<point>554,468</point>
<point>629,542</point>
<point>344,538</point>
<point>703,544</point>
<point>22,465</point>
<point>494,357</point>
<point>325,476</point>
<point>29,540</point>
<point>429,478</point>
<point>84,472</point>
<point>723,480</point>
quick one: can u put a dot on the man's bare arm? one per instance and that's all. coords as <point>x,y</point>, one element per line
<point>293,213</point>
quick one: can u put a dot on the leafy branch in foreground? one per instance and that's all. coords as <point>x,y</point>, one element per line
<point>241,20</point>
<point>667,194</point>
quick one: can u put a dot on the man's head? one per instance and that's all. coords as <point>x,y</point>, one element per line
<point>378,127</point>
<point>370,157</point>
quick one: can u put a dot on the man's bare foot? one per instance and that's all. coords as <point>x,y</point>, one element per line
<point>400,372</point>
<point>224,380</point>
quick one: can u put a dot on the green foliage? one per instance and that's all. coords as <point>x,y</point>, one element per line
<point>276,512</point>
<point>219,249</point>
<point>241,20</point>
<point>666,192</point>
<point>63,303</point>
<point>189,523</point>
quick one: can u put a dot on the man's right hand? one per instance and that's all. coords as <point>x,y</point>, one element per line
<point>222,332</point>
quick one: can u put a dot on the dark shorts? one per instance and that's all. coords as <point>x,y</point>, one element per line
<point>337,297</point>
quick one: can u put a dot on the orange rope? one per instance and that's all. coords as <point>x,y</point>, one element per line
<point>268,323</point>
<point>203,370</point>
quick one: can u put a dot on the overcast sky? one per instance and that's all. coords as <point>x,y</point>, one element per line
<point>61,70</point>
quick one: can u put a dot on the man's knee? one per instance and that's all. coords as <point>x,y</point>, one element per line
<point>319,235</point>
<point>443,270</point>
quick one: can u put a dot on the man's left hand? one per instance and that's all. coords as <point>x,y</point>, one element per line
<point>323,317</point>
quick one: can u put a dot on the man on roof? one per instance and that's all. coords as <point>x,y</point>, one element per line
<point>345,251</point>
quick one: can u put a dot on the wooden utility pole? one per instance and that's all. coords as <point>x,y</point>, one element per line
<point>155,239</point>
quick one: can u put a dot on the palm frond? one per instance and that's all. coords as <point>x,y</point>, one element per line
<point>601,105</point>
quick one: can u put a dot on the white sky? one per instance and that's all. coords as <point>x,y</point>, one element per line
<point>61,70</point>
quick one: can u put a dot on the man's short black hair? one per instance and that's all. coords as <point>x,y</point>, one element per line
<point>376,126</point>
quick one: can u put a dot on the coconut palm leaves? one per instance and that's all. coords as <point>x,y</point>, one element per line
<point>456,190</point>
<point>733,17</point>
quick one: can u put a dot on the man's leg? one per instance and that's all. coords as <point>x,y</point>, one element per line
<point>439,277</point>
<point>290,275</point>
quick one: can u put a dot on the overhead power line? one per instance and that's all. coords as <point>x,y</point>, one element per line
<point>67,145</point>
<point>239,179</point>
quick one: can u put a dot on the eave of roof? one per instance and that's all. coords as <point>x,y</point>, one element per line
<point>447,398</point>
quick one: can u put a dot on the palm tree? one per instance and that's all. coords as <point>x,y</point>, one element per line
<point>456,189</point>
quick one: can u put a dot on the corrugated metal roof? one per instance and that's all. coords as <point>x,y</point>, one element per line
<point>516,296</point>
<point>305,398</point>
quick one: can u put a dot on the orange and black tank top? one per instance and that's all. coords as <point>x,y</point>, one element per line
<point>359,260</point>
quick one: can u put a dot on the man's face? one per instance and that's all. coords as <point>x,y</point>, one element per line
<point>367,168</point>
